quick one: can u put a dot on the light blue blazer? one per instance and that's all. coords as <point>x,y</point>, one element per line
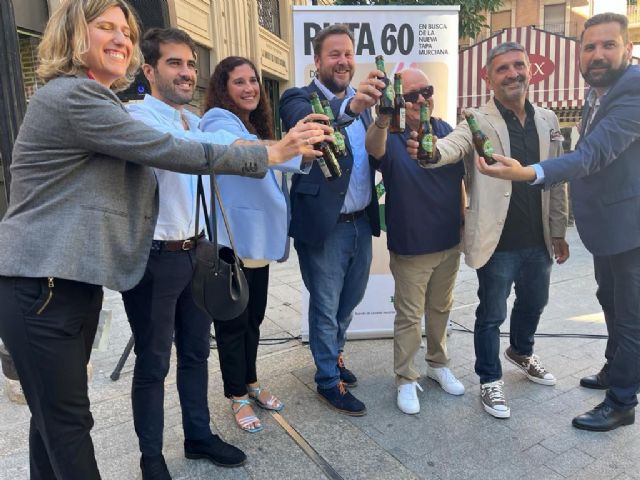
<point>257,209</point>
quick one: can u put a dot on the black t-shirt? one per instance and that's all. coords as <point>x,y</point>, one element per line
<point>523,225</point>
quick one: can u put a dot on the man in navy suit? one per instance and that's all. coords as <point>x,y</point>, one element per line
<point>332,222</point>
<point>605,188</point>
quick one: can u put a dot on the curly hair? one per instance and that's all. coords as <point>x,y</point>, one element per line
<point>66,39</point>
<point>261,119</point>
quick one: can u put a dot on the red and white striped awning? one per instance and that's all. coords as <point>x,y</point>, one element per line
<point>556,81</point>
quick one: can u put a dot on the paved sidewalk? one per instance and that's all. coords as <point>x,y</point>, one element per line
<point>452,438</point>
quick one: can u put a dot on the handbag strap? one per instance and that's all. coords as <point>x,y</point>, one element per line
<point>200,198</point>
<point>211,220</point>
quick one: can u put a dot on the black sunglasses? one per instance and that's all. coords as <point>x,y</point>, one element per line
<point>426,92</point>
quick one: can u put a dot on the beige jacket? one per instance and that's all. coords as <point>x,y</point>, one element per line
<point>489,197</point>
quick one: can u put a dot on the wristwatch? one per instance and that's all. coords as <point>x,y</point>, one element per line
<point>348,111</point>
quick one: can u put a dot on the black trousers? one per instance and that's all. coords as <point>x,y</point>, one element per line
<point>160,307</point>
<point>237,339</point>
<point>49,331</point>
<point>618,278</point>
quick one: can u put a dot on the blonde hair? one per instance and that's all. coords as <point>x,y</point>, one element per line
<point>66,40</point>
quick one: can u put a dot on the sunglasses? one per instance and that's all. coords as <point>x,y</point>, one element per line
<point>426,93</point>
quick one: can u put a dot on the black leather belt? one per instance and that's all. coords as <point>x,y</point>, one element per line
<point>174,245</point>
<point>351,217</point>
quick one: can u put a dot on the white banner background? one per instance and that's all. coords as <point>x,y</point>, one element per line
<point>419,37</point>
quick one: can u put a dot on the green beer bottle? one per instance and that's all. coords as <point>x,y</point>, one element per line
<point>480,140</point>
<point>425,137</point>
<point>328,163</point>
<point>339,141</point>
<point>398,120</point>
<point>385,105</point>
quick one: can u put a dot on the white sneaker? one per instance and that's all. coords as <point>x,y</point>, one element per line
<point>446,379</point>
<point>408,398</point>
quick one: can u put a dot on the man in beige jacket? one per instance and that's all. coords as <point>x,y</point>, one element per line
<point>511,231</point>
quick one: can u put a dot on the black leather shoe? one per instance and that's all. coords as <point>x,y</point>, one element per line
<point>604,418</point>
<point>154,468</point>
<point>346,376</point>
<point>216,451</point>
<point>599,381</point>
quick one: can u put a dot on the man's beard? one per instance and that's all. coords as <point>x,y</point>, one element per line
<point>607,78</point>
<point>332,85</point>
<point>168,90</point>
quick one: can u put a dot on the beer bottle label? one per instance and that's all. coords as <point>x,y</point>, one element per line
<point>339,142</point>
<point>389,93</point>
<point>487,148</point>
<point>380,190</point>
<point>323,166</point>
<point>427,143</point>
<point>403,118</point>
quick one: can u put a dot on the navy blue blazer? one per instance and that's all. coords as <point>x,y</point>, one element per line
<point>604,170</point>
<point>316,202</point>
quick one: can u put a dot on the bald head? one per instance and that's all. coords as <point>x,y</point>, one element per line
<point>413,75</point>
<point>414,80</point>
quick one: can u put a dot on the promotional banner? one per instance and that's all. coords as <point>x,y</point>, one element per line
<point>424,37</point>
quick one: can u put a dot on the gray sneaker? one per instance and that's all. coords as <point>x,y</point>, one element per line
<point>493,399</point>
<point>531,367</point>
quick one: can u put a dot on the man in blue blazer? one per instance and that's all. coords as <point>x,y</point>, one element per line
<point>605,187</point>
<point>332,222</point>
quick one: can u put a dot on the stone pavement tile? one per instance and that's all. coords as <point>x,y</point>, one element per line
<point>569,462</point>
<point>111,412</point>
<point>611,465</point>
<point>626,476</point>
<point>282,294</point>
<point>287,317</point>
<point>14,466</point>
<point>541,473</point>
<point>11,414</point>
<point>15,439</point>
<point>338,438</point>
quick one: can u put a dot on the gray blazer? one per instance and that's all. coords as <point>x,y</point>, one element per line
<point>84,201</point>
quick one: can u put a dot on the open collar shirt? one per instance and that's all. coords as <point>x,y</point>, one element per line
<point>358,194</point>
<point>177,191</point>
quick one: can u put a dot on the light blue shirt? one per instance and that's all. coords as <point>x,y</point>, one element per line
<point>358,194</point>
<point>257,208</point>
<point>177,191</point>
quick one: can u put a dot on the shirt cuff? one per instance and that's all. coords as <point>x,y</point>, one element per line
<point>346,115</point>
<point>539,174</point>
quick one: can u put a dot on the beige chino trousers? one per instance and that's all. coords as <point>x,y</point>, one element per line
<point>423,286</point>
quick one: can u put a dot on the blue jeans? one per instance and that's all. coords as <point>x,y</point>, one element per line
<point>335,274</point>
<point>529,269</point>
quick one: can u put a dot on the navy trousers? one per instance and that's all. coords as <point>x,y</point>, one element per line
<point>618,278</point>
<point>160,308</point>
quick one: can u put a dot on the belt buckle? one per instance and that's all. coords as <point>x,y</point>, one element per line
<point>187,244</point>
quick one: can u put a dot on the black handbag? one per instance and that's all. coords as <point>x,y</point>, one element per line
<point>219,286</point>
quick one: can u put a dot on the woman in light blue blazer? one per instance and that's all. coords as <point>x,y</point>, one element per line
<point>257,210</point>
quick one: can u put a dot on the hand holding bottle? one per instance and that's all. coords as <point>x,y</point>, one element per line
<point>368,92</point>
<point>301,139</point>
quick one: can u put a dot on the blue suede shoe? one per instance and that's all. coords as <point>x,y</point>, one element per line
<point>340,399</point>
<point>347,376</point>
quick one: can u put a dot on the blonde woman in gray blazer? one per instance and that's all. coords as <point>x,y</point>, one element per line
<point>82,212</point>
